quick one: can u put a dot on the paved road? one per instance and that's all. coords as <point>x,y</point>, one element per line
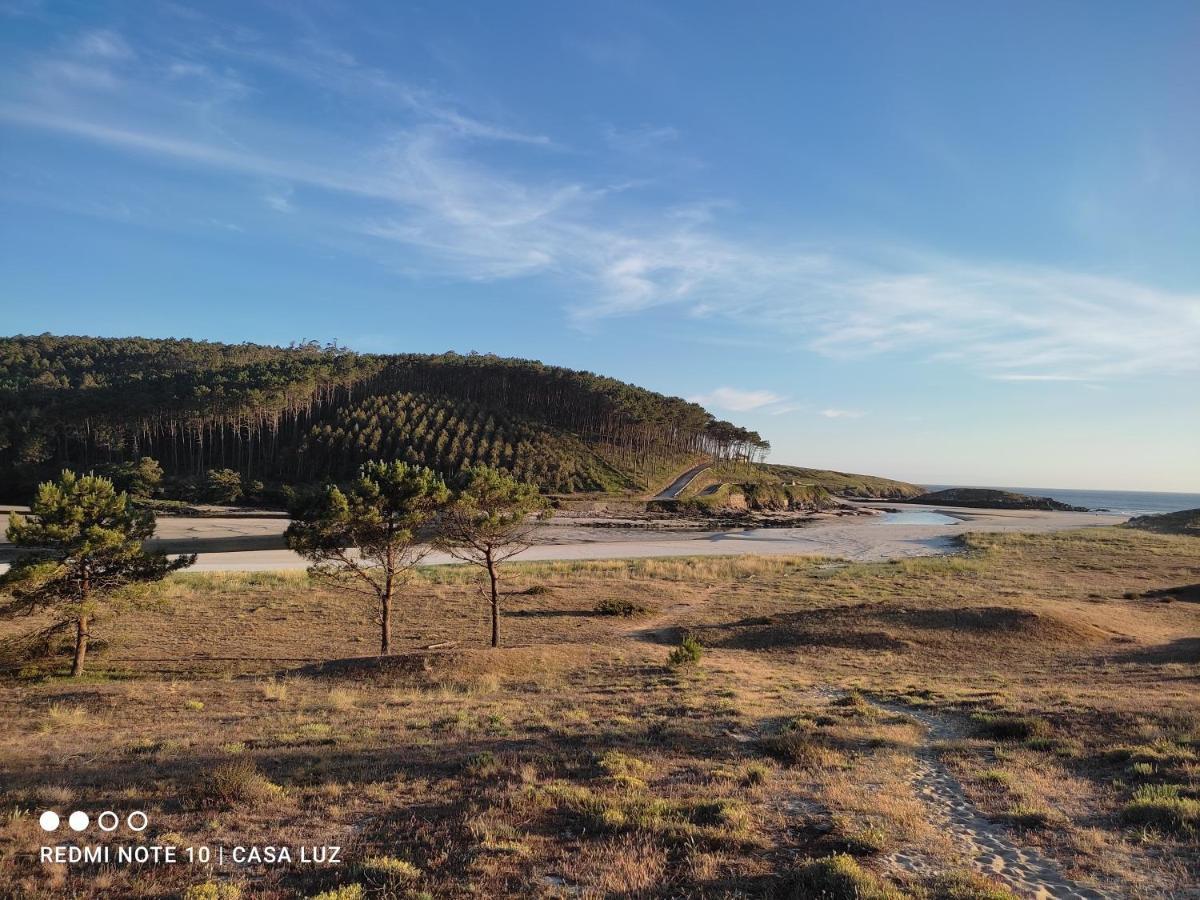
<point>672,491</point>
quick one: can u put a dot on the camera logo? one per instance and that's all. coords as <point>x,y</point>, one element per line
<point>107,820</point>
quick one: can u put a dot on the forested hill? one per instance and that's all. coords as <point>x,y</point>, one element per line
<point>302,414</point>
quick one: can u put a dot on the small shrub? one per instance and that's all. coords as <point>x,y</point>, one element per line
<point>612,606</point>
<point>837,877</point>
<point>967,886</point>
<point>686,654</point>
<point>616,764</point>
<point>1005,727</point>
<point>862,840</point>
<point>196,705</point>
<point>1046,745</point>
<point>275,691</point>
<point>1028,816</point>
<point>482,765</point>
<point>239,782</point>
<point>797,748</point>
<point>1160,806</point>
<point>145,746</point>
<point>213,890</point>
<point>346,892</point>
<point>755,774</point>
<point>390,867</point>
<point>1142,769</point>
<point>852,698</point>
<point>62,715</point>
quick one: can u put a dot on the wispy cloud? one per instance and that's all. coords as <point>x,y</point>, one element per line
<point>105,44</point>
<point>842,413</point>
<point>737,400</point>
<point>280,199</point>
<point>1036,377</point>
<point>424,197</point>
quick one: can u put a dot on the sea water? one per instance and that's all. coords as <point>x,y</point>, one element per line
<point>1123,503</point>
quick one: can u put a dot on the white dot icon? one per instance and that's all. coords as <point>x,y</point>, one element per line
<point>48,820</point>
<point>78,820</point>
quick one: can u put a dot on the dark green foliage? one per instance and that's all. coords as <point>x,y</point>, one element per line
<point>613,606</point>
<point>1005,727</point>
<point>368,536</point>
<point>222,486</point>
<point>85,545</point>
<point>306,414</point>
<point>688,653</point>
<point>452,435</point>
<point>845,484</point>
<point>489,523</point>
<point>141,479</point>
<point>1183,522</point>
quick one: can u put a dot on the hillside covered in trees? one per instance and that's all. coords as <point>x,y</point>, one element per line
<point>265,419</point>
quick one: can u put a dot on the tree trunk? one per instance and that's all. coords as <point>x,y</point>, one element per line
<point>385,622</point>
<point>81,639</point>
<point>491,567</point>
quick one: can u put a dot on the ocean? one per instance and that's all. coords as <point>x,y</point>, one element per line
<point>1125,503</point>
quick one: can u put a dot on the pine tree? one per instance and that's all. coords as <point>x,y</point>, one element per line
<point>368,537</point>
<point>86,546</point>
<point>488,524</point>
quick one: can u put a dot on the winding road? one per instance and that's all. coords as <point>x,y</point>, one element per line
<point>671,492</point>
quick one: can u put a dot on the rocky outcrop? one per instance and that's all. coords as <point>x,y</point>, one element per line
<point>1184,522</point>
<point>986,498</point>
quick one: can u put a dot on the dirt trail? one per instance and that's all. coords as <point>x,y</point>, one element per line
<point>1026,871</point>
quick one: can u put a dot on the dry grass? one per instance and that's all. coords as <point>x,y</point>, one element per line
<point>575,762</point>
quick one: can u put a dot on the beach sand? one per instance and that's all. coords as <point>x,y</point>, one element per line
<point>249,544</point>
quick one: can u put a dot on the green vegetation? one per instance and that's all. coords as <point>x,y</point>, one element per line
<point>488,524</point>
<point>1184,522</point>
<point>614,606</point>
<point>84,546</point>
<point>367,538</point>
<point>838,877</point>
<point>758,487</point>
<point>1008,727</point>
<point>687,654</point>
<point>1161,806</point>
<point>308,414</point>
<point>988,498</point>
<point>844,484</point>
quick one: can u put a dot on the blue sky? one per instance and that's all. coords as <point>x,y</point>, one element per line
<point>949,242</point>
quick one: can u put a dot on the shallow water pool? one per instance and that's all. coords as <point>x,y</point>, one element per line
<point>916,517</point>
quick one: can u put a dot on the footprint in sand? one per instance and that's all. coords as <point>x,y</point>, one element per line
<point>1026,871</point>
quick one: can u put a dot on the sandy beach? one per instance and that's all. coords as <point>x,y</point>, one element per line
<point>250,544</point>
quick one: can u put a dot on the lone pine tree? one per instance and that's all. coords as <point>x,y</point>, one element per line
<point>85,546</point>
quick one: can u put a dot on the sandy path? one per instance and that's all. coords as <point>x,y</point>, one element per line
<point>991,847</point>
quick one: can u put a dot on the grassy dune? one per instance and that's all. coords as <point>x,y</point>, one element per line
<point>577,762</point>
